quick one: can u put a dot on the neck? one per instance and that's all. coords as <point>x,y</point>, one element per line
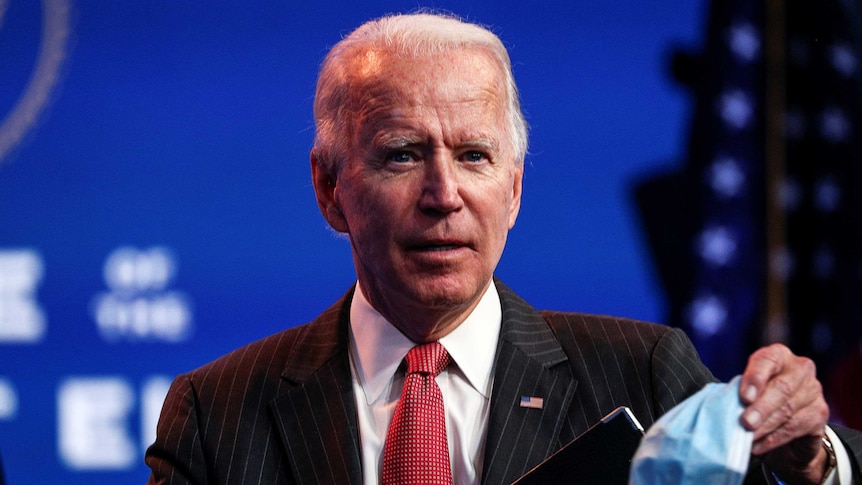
<point>423,323</point>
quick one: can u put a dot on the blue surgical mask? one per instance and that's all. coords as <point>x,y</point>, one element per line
<point>700,441</point>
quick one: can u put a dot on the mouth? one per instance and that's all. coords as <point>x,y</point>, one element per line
<point>438,246</point>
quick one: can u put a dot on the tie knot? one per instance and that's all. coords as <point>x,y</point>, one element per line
<point>430,358</point>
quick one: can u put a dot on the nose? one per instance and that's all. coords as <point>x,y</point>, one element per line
<point>441,187</point>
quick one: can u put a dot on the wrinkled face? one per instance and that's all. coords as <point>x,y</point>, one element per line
<point>429,189</point>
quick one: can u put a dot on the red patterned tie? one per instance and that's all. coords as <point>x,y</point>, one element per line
<point>416,450</point>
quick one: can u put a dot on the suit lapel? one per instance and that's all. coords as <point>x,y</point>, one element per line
<point>317,416</point>
<point>530,363</point>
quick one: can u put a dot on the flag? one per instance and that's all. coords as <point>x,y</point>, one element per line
<point>532,402</point>
<point>758,237</point>
<point>704,222</point>
<point>822,194</point>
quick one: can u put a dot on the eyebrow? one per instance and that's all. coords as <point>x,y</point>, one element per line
<point>395,141</point>
<point>487,144</point>
<point>390,141</point>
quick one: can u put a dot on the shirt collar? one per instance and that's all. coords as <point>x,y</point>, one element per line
<point>377,347</point>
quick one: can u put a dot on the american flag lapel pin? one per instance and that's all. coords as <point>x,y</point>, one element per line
<point>532,402</point>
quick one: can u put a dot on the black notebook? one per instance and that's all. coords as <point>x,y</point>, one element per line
<point>601,455</point>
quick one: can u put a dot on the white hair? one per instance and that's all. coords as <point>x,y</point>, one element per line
<point>408,35</point>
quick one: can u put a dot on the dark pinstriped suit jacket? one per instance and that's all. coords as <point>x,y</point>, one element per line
<point>281,410</point>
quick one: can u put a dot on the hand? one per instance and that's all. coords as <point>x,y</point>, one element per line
<point>787,412</point>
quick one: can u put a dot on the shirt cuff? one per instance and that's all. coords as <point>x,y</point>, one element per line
<point>842,474</point>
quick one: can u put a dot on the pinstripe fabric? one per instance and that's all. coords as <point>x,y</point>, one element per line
<point>281,410</point>
<point>852,440</point>
<point>583,366</point>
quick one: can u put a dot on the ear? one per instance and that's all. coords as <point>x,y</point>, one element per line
<point>517,188</point>
<point>325,181</point>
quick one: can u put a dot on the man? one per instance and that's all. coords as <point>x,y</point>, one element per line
<point>418,160</point>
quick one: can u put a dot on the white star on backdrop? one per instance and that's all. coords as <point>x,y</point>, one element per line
<point>726,178</point>
<point>736,109</point>
<point>717,245</point>
<point>834,125</point>
<point>827,194</point>
<point>708,315</point>
<point>744,41</point>
<point>789,194</point>
<point>843,59</point>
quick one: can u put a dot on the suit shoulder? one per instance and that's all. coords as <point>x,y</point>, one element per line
<point>305,346</point>
<point>257,356</point>
<point>604,327</point>
<point>602,335</point>
<point>656,364</point>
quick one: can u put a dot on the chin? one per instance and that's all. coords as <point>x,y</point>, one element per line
<point>448,295</point>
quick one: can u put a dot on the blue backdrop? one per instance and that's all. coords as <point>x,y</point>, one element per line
<point>156,209</point>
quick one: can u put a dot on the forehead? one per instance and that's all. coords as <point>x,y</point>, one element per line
<point>463,84</point>
<point>375,61</point>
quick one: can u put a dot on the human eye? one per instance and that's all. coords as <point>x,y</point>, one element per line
<point>474,156</point>
<point>399,156</point>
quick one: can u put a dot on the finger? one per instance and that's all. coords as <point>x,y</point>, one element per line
<point>806,425</point>
<point>784,396</point>
<point>792,385</point>
<point>799,414</point>
<point>762,366</point>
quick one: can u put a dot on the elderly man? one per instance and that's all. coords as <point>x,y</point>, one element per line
<point>419,160</point>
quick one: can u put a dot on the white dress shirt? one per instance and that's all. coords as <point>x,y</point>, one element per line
<point>843,472</point>
<point>376,351</point>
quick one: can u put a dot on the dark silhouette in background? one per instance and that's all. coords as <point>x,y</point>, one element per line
<point>758,236</point>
